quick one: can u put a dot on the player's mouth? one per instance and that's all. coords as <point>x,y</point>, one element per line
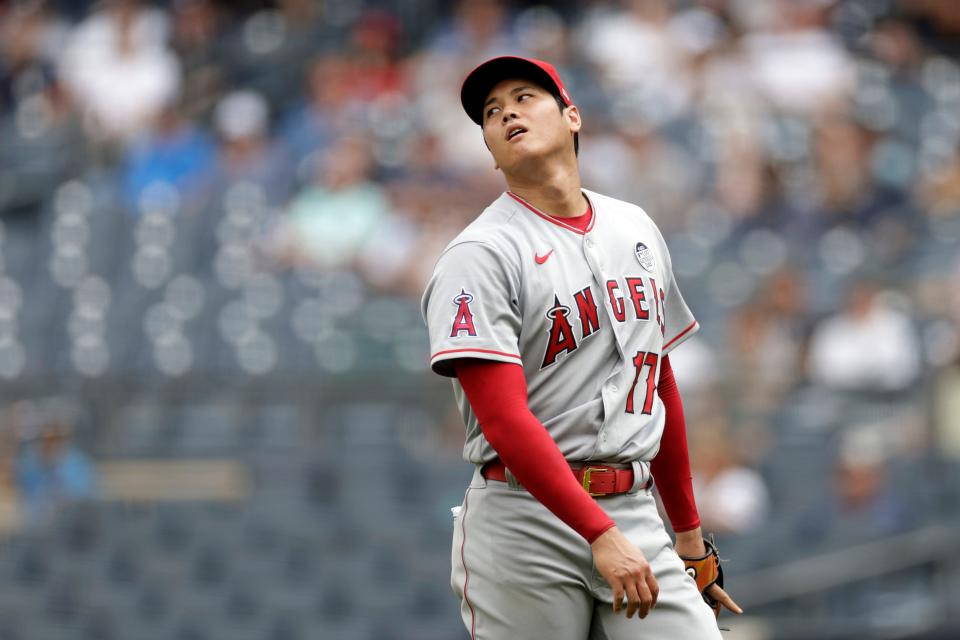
<point>515,132</point>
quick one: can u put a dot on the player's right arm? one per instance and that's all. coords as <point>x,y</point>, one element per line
<point>498,395</point>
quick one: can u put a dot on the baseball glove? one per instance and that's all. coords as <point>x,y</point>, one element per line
<point>706,571</point>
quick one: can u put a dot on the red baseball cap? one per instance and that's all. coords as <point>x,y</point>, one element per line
<point>478,82</point>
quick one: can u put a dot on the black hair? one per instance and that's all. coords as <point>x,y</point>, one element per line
<point>576,136</point>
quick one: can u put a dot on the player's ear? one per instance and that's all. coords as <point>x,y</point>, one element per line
<point>572,115</point>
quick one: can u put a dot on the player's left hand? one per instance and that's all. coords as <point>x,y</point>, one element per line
<point>703,564</point>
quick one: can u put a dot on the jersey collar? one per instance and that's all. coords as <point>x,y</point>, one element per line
<point>557,221</point>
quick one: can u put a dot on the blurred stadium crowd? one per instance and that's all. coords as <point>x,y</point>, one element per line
<point>243,200</point>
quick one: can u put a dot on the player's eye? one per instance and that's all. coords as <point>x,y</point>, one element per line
<point>491,111</point>
<point>524,95</point>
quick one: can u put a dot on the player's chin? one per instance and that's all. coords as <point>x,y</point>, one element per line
<point>521,154</point>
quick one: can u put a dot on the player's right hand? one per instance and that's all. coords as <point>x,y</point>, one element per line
<point>627,571</point>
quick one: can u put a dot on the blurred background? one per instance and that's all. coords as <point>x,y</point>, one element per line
<point>216,220</point>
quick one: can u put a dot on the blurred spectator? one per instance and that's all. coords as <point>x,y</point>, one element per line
<point>11,419</point>
<point>51,470</point>
<point>545,34</point>
<point>31,37</point>
<point>766,336</point>
<point>848,192</point>
<point>940,192</point>
<point>479,30</point>
<point>269,49</point>
<point>797,64</point>
<point>311,127</point>
<point>697,371</point>
<point>120,69</point>
<point>330,220</point>
<point>247,153</point>
<point>862,503</point>
<point>946,391</point>
<point>895,43</point>
<point>42,145</point>
<point>40,140</point>
<point>176,153</point>
<point>939,22</point>
<point>650,170</point>
<point>606,162</point>
<point>198,42</point>
<point>946,408</point>
<point>868,346</point>
<point>375,41</point>
<point>643,67</point>
<point>731,497</point>
<point>699,376</point>
<point>429,203</point>
<point>749,187</point>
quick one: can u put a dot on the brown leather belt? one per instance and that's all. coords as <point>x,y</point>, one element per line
<point>596,479</point>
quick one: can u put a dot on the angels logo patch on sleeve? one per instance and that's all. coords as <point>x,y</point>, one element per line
<point>463,321</point>
<point>469,310</point>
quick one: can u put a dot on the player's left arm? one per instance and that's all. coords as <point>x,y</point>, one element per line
<point>671,469</point>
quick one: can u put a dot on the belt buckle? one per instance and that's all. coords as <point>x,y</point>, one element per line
<point>588,474</point>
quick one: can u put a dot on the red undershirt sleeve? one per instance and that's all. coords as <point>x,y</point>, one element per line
<point>671,467</point>
<point>497,392</point>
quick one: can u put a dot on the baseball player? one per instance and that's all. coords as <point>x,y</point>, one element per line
<point>555,312</point>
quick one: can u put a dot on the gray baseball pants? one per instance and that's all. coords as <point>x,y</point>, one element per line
<point>522,574</point>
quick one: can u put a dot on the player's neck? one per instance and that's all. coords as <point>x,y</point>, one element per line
<point>554,190</point>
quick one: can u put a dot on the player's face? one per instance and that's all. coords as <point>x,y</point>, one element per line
<point>521,122</point>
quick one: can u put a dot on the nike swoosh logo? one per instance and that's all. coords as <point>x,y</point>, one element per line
<point>543,258</point>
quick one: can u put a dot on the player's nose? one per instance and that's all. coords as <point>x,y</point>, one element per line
<point>509,115</point>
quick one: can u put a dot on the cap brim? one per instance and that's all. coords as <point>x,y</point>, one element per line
<point>481,80</point>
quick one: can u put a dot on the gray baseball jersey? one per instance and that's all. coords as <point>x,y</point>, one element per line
<point>588,315</point>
